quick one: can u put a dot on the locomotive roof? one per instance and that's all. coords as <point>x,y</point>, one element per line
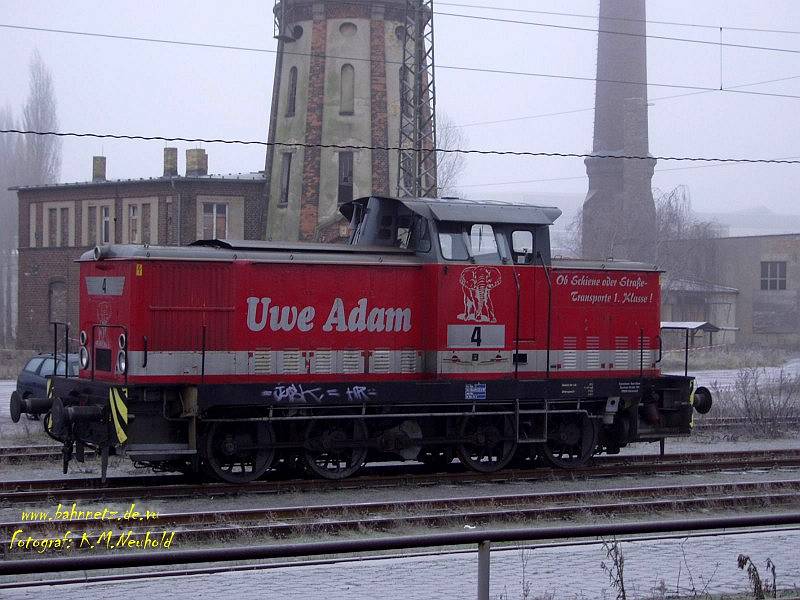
<point>257,251</point>
<point>482,211</point>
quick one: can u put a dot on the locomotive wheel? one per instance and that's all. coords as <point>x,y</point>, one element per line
<point>571,441</point>
<point>490,442</point>
<point>239,452</point>
<point>335,448</point>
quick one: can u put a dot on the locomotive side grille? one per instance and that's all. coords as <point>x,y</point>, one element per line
<point>380,361</point>
<point>352,361</point>
<point>262,362</point>
<point>292,362</point>
<point>647,354</point>
<point>621,355</point>
<point>322,361</point>
<point>570,360</point>
<point>592,353</point>
<point>408,361</point>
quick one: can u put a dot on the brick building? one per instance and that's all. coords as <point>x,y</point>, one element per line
<point>59,222</point>
<point>337,82</point>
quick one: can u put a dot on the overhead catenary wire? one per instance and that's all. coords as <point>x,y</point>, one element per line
<point>523,153</point>
<point>657,99</point>
<point>629,19</point>
<point>349,58</point>
<point>398,63</point>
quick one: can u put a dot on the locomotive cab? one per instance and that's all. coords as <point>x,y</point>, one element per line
<point>486,233</point>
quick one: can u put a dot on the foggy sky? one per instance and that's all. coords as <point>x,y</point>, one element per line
<point>146,88</point>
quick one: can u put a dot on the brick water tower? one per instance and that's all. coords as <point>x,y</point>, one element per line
<point>338,78</point>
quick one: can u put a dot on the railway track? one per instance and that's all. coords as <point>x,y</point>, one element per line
<point>438,513</point>
<point>53,451</point>
<point>172,486</point>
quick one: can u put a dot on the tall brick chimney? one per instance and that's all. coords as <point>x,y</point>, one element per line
<point>98,168</point>
<point>170,162</point>
<point>196,162</point>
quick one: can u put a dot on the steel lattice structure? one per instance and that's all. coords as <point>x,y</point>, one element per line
<point>417,154</point>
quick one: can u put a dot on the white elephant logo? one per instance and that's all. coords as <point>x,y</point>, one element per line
<point>477,284</point>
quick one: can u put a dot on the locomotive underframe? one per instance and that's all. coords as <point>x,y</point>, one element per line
<point>188,427</point>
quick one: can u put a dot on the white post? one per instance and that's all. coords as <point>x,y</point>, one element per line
<point>483,570</point>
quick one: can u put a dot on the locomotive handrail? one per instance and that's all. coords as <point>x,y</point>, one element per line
<point>549,307</point>
<point>55,325</point>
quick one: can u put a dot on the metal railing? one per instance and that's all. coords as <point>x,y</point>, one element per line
<point>483,540</point>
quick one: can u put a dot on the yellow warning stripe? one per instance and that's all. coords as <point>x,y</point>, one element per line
<point>119,414</point>
<point>691,402</point>
<point>50,388</point>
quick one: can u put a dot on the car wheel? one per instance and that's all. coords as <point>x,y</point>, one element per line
<point>16,406</point>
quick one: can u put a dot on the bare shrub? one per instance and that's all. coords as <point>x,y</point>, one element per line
<point>767,402</point>
<point>614,567</point>
<point>760,587</point>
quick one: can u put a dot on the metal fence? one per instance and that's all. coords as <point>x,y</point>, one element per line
<point>482,539</point>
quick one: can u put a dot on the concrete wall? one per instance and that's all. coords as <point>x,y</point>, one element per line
<point>770,317</point>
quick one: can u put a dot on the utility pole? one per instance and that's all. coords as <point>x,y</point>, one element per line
<point>417,154</point>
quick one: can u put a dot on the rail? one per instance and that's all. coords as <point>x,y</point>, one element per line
<point>482,539</point>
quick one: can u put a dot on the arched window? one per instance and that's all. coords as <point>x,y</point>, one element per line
<point>348,83</point>
<point>291,98</point>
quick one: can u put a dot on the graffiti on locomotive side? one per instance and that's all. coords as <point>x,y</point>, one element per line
<point>298,394</point>
<point>361,317</point>
<point>606,289</point>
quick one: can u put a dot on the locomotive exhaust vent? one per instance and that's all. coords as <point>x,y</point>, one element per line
<point>408,361</point>
<point>352,361</point>
<point>262,363</point>
<point>292,362</point>
<point>592,353</point>
<point>621,355</point>
<point>322,361</point>
<point>570,361</point>
<point>380,361</point>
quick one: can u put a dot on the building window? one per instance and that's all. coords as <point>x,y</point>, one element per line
<point>52,227</point>
<point>345,177</point>
<point>286,172</point>
<point>91,226</point>
<point>348,83</point>
<point>773,275</point>
<point>105,224</point>
<point>133,224</point>
<point>291,99</point>
<point>215,221</point>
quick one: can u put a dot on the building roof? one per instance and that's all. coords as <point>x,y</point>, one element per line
<point>245,177</point>
<point>698,287</point>
<point>690,326</point>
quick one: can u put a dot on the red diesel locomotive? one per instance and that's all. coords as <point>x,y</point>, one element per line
<point>443,329</point>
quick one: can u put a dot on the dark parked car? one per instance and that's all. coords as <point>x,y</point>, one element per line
<point>32,380</point>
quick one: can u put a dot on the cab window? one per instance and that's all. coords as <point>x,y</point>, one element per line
<point>459,241</point>
<point>522,246</point>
